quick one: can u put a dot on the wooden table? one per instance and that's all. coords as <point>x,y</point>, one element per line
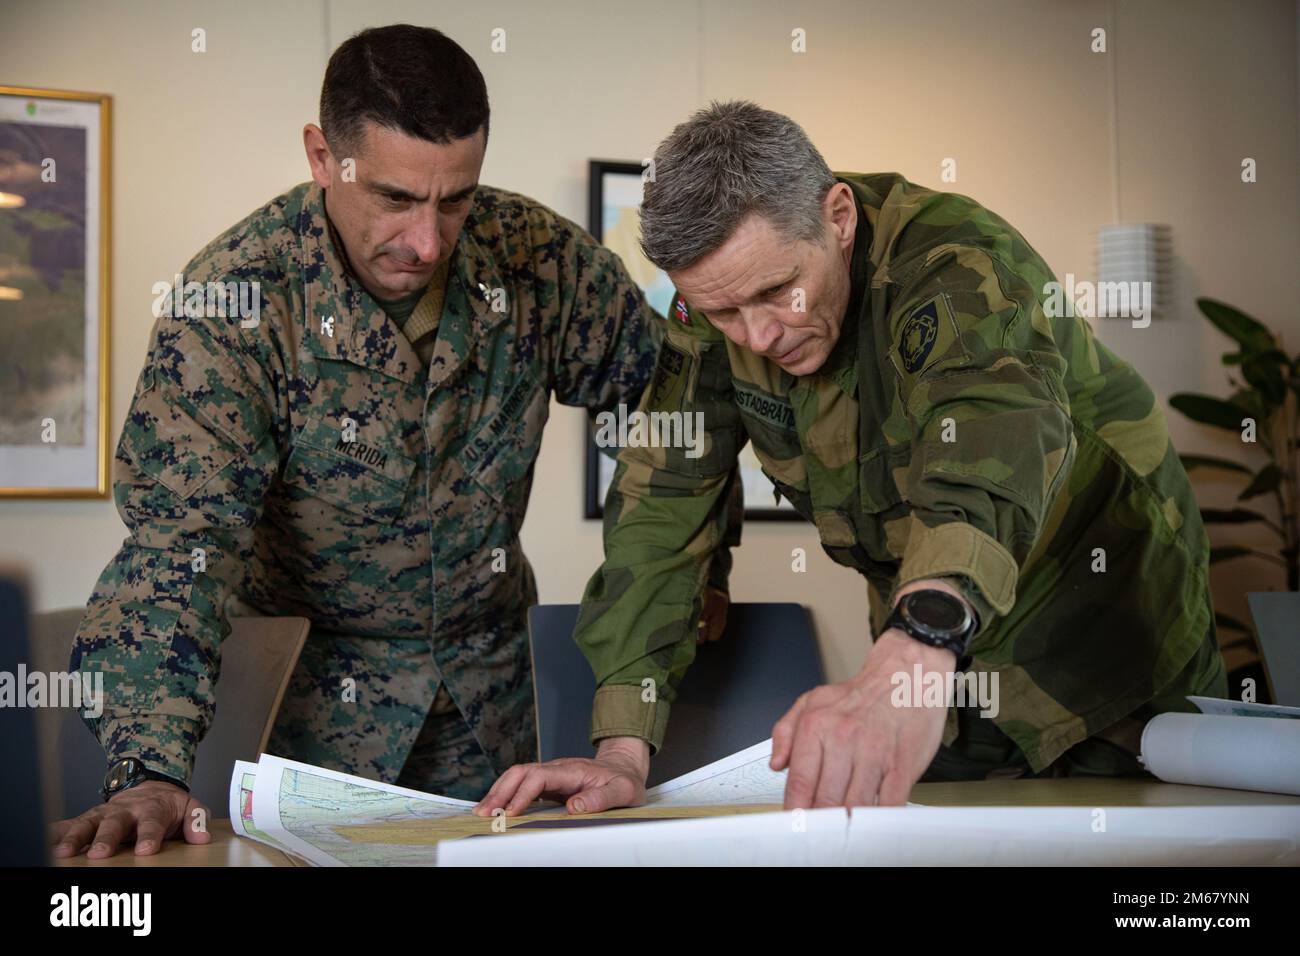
<point>226,849</point>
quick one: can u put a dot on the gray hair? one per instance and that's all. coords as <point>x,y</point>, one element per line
<point>727,161</point>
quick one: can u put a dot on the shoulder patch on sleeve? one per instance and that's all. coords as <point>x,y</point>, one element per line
<point>928,334</point>
<point>689,320</point>
<point>681,312</point>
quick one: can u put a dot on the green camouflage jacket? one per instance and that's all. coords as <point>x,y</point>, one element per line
<point>954,431</point>
<point>235,478</point>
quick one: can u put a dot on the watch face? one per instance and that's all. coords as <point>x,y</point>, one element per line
<point>119,775</point>
<point>937,611</point>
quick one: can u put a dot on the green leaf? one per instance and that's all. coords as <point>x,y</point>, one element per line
<point>1239,642</point>
<point>1230,516</point>
<point>1269,477</point>
<point>1209,411</point>
<point>1231,623</point>
<point>1276,356</point>
<point>1248,400</point>
<point>1235,324</point>
<point>1229,551</point>
<point>1266,378</point>
<point>1208,461</point>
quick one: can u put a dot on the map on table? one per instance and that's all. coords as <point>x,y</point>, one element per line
<point>729,813</point>
<point>329,818</point>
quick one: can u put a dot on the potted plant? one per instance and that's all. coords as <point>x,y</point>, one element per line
<point>1263,405</point>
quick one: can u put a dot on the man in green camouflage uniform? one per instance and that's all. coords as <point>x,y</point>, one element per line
<point>949,435</point>
<point>361,452</point>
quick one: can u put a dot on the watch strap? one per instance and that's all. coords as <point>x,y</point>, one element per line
<point>139,775</point>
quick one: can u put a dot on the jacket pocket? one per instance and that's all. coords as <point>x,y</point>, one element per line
<point>368,477</point>
<point>501,453</point>
<point>876,486</point>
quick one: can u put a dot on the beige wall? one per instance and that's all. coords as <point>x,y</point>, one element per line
<point>1008,89</point>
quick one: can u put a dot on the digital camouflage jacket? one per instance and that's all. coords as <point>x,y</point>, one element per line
<point>310,465</point>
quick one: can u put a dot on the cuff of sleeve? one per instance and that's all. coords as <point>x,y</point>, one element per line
<point>719,577</point>
<point>162,742</point>
<point>619,711</point>
<point>960,549</point>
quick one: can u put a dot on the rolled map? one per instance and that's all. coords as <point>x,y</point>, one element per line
<point>1243,753</point>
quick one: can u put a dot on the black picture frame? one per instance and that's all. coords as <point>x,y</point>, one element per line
<point>599,172</point>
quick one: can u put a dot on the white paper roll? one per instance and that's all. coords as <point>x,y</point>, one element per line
<point>1243,753</point>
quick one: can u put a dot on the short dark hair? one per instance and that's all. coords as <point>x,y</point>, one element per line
<point>415,80</point>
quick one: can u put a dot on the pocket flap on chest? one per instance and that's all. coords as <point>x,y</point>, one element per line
<point>368,476</point>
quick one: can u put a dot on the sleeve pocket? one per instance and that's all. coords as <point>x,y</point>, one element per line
<point>169,445</point>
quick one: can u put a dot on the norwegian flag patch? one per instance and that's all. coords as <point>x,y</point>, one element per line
<point>683,313</point>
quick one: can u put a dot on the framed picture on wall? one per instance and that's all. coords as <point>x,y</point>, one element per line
<point>613,203</point>
<point>54,293</point>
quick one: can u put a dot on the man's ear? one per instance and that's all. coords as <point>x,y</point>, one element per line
<point>843,213</point>
<point>319,156</point>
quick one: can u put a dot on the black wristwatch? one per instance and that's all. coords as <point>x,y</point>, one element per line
<point>131,772</point>
<point>936,618</point>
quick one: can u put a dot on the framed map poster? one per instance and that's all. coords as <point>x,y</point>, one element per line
<point>613,203</point>
<point>54,293</point>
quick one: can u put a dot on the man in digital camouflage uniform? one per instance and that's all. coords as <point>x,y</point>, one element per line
<point>886,349</point>
<point>361,454</point>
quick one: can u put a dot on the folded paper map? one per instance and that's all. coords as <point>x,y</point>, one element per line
<point>729,814</point>
<point>329,818</point>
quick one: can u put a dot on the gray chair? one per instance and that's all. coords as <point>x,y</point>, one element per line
<point>1277,625</point>
<point>738,687</point>
<point>22,824</point>
<point>257,660</point>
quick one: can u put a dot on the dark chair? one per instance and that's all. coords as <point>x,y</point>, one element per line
<point>735,691</point>
<point>22,834</point>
